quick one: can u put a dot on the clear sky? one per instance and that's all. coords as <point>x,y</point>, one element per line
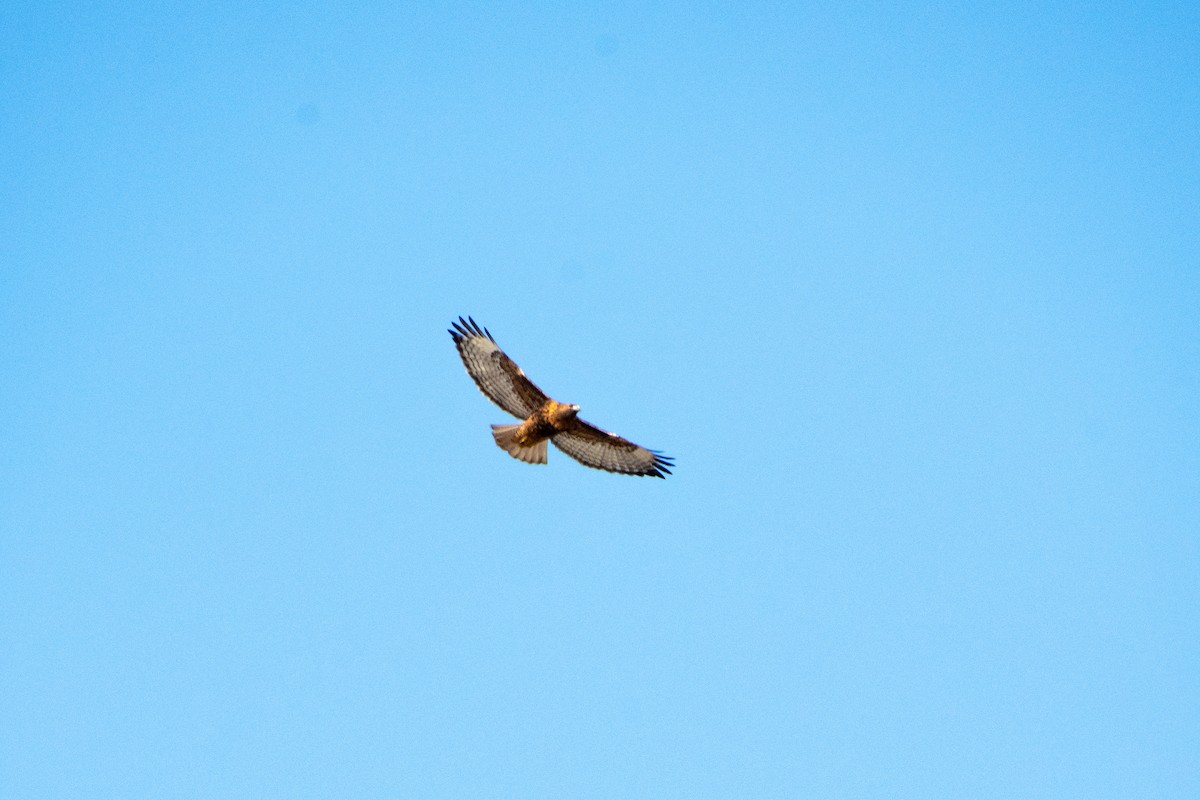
<point>911,294</point>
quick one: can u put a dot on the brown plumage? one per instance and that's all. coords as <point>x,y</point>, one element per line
<point>506,385</point>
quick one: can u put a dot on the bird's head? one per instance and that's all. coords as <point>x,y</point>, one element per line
<point>564,411</point>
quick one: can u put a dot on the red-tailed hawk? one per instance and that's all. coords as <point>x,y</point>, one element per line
<point>544,420</point>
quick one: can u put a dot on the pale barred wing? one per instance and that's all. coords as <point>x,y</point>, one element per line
<point>593,447</point>
<point>493,372</point>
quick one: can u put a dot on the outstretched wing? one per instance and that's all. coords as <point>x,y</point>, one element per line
<point>493,372</point>
<point>593,447</point>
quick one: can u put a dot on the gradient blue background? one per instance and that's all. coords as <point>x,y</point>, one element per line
<point>911,294</point>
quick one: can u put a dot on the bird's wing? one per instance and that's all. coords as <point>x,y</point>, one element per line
<point>493,372</point>
<point>593,447</point>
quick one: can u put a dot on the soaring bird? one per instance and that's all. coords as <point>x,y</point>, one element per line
<point>505,384</point>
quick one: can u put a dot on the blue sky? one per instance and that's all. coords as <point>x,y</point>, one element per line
<point>909,292</point>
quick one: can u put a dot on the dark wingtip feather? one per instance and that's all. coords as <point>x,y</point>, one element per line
<point>663,463</point>
<point>661,467</point>
<point>466,328</point>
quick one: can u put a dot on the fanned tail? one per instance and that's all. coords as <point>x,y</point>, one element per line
<point>506,439</point>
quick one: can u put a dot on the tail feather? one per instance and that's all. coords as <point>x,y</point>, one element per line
<point>506,439</point>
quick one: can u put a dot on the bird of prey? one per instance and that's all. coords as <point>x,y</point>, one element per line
<point>544,420</point>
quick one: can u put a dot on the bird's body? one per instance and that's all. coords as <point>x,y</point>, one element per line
<point>526,441</point>
<point>544,420</point>
<point>547,420</point>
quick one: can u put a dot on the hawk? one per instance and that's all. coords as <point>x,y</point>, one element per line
<point>505,384</point>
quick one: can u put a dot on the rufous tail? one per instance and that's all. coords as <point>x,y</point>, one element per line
<point>506,439</point>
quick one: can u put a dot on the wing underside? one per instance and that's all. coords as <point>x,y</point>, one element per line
<point>600,449</point>
<point>496,375</point>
